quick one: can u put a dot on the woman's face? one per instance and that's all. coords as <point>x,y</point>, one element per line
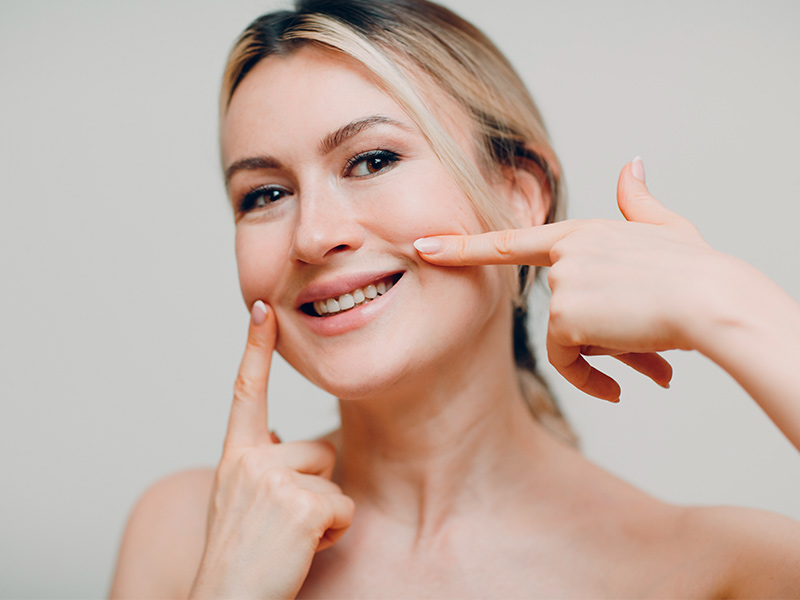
<point>331,183</point>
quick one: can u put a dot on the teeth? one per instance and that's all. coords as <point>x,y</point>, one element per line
<point>346,301</point>
<point>354,298</point>
<point>321,307</point>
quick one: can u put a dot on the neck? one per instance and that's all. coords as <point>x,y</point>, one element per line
<point>459,437</point>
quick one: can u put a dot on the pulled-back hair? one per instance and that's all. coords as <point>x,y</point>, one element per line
<point>414,47</point>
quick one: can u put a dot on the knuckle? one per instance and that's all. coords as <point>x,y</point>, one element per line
<point>560,249</point>
<point>556,317</point>
<point>553,277</point>
<point>276,479</point>
<point>350,507</point>
<point>244,386</point>
<point>504,242</point>
<point>250,465</point>
<point>461,249</point>
<point>559,328</point>
<point>308,507</point>
<point>328,451</point>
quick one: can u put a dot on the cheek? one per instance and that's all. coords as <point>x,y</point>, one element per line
<point>425,202</point>
<point>260,256</point>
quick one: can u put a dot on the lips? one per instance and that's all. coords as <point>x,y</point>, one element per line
<point>331,298</point>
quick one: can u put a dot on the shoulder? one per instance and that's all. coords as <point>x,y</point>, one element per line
<point>164,538</point>
<point>757,552</point>
<point>680,551</point>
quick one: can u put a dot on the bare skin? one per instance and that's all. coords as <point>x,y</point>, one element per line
<point>439,483</point>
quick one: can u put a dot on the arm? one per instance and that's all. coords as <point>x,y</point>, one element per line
<point>758,552</point>
<point>751,328</point>
<point>164,538</point>
<point>637,287</point>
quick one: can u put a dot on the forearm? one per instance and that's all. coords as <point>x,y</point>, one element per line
<point>753,332</point>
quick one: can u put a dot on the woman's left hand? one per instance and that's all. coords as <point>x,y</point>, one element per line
<point>628,289</point>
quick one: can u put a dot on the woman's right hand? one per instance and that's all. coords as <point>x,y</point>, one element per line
<point>273,505</point>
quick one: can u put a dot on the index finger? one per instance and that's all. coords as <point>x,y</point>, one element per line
<point>247,425</point>
<point>529,246</point>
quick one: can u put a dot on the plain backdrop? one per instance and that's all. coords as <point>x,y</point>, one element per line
<point>122,326</point>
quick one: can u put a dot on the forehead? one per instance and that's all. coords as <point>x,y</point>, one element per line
<point>312,91</point>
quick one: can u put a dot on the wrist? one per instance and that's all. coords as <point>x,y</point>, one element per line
<point>737,307</point>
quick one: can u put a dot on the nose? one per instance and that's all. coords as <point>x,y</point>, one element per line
<point>325,226</point>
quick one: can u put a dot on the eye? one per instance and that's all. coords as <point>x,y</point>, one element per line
<point>260,197</point>
<point>369,163</point>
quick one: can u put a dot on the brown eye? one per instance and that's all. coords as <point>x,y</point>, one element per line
<point>260,197</point>
<point>375,164</point>
<point>371,163</point>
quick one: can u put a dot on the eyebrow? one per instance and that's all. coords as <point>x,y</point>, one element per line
<point>328,144</point>
<point>344,133</point>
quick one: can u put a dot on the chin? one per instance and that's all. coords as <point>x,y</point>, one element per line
<point>373,375</point>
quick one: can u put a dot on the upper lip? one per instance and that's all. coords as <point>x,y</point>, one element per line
<point>332,288</point>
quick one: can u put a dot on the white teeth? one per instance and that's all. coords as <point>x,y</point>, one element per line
<point>346,301</point>
<point>354,298</point>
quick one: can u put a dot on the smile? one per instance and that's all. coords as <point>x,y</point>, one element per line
<point>353,298</point>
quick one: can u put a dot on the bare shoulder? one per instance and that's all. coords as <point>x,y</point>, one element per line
<point>758,551</point>
<point>680,551</point>
<point>164,538</point>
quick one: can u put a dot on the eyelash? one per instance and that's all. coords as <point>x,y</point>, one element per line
<point>390,157</point>
<point>250,199</point>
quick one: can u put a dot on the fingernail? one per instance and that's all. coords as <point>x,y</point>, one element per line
<point>429,245</point>
<point>259,312</point>
<point>637,169</point>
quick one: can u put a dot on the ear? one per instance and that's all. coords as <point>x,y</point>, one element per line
<point>528,198</point>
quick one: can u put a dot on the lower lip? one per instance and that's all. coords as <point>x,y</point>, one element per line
<point>352,319</point>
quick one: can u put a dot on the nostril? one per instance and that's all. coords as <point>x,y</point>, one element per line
<point>339,248</point>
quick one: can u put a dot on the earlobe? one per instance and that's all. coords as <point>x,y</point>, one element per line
<point>530,201</point>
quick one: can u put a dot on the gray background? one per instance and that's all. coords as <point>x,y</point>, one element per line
<point>122,326</point>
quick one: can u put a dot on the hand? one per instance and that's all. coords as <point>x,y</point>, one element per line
<point>622,288</point>
<point>272,505</point>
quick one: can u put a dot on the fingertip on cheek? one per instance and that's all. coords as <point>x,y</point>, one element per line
<point>429,245</point>
<point>259,312</point>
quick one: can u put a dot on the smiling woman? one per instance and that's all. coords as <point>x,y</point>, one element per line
<point>394,191</point>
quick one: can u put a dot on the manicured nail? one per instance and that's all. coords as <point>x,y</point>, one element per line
<point>637,169</point>
<point>429,245</point>
<point>259,312</point>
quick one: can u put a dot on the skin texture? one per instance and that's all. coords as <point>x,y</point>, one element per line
<point>439,483</point>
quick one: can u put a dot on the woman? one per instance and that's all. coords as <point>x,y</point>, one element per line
<point>385,166</point>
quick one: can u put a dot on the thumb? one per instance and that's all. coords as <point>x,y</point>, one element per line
<point>635,201</point>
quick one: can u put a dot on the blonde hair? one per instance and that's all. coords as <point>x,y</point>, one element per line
<point>409,45</point>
